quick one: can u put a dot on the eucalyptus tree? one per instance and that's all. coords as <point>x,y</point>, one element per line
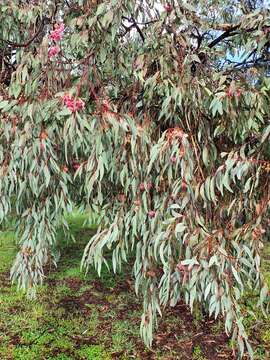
<point>156,116</point>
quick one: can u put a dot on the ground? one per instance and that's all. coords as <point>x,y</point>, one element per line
<point>86,317</point>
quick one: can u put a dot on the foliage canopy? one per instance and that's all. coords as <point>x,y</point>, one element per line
<point>156,116</point>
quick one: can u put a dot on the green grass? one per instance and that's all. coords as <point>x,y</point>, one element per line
<point>198,354</point>
<point>57,324</point>
<point>78,316</point>
<point>256,323</point>
<point>7,249</point>
<point>94,352</point>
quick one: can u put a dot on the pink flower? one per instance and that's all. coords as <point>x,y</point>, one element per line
<point>60,28</point>
<point>57,33</point>
<point>151,214</point>
<point>80,104</point>
<point>71,107</point>
<point>76,166</point>
<point>54,50</point>
<point>229,93</point>
<point>149,185</point>
<point>168,7</point>
<point>72,104</point>
<point>66,98</point>
<point>238,92</point>
<point>142,187</point>
<point>55,36</point>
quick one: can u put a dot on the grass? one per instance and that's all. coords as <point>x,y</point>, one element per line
<point>78,316</point>
<point>197,353</point>
<point>256,323</point>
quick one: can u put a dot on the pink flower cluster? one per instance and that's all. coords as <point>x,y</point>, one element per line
<point>231,93</point>
<point>54,50</point>
<point>57,33</point>
<point>168,7</point>
<point>72,104</point>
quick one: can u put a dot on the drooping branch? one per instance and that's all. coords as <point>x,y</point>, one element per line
<point>135,25</point>
<point>228,33</point>
<point>17,45</point>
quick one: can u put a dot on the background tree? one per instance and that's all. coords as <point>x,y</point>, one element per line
<point>155,115</point>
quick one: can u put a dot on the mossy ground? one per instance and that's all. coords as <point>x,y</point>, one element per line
<point>77,316</point>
